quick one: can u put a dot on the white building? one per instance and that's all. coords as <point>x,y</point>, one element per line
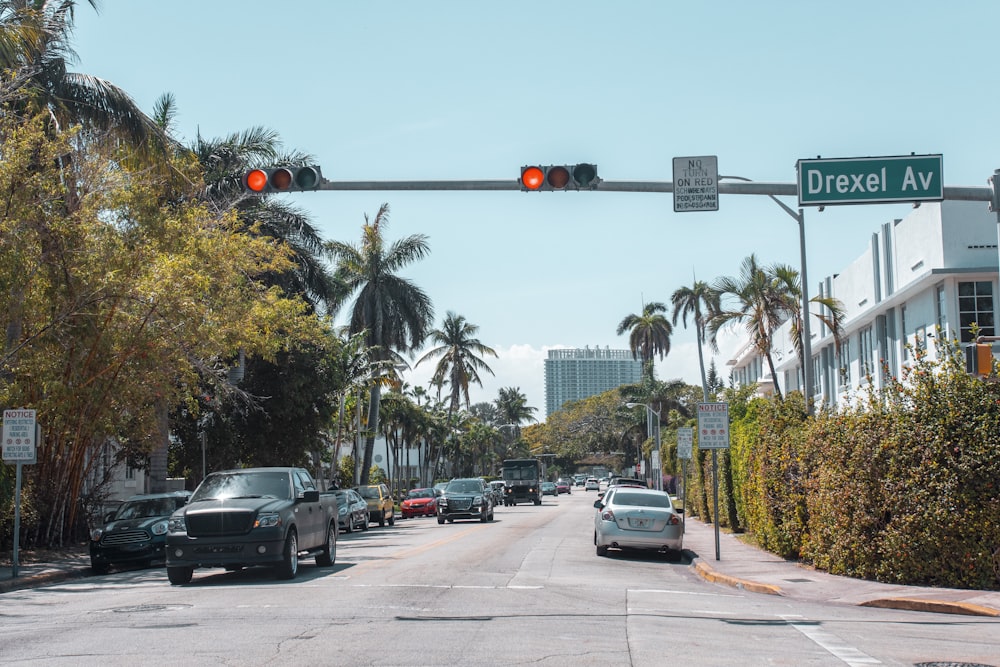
<point>937,267</point>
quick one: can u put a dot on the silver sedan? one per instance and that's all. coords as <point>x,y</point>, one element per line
<point>633,518</point>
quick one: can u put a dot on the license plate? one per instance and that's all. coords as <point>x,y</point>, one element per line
<point>639,523</point>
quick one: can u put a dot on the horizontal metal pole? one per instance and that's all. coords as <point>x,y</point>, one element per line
<point>971,193</point>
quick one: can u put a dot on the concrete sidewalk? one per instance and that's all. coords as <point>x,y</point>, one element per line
<point>70,564</point>
<point>749,568</point>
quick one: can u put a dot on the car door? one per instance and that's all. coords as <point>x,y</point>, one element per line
<point>310,516</point>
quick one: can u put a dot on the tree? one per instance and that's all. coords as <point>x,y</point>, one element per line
<point>512,406</point>
<point>700,302</point>
<point>649,335</point>
<point>458,361</point>
<point>760,301</point>
<point>394,312</point>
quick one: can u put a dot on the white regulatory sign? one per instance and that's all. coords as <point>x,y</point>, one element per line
<point>685,443</point>
<point>18,436</point>
<point>713,426</point>
<point>696,183</point>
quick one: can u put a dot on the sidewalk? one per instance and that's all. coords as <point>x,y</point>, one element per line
<point>743,566</point>
<point>740,565</point>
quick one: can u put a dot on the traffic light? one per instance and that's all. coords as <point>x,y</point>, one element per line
<point>979,359</point>
<point>282,179</point>
<point>559,177</point>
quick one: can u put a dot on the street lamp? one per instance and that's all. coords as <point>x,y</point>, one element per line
<point>650,413</point>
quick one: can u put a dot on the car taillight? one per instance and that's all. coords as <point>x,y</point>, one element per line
<point>607,515</point>
<point>674,520</point>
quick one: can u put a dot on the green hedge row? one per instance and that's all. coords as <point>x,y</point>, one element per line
<point>904,487</point>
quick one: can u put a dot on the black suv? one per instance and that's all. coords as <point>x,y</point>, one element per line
<point>136,532</point>
<point>465,499</point>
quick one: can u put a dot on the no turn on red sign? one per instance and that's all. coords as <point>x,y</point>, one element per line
<point>19,436</point>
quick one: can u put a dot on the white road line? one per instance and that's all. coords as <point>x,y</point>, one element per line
<point>669,592</point>
<point>833,644</point>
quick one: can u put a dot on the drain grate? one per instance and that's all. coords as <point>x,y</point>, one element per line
<point>800,581</point>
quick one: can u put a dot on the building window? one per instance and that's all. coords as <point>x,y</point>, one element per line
<point>866,352</point>
<point>902,331</point>
<point>942,309</point>
<point>975,308</point>
<point>844,363</point>
<point>129,472</point>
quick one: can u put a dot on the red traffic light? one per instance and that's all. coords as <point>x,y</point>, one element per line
<point>532,178</point>
<point>559,177</point>
<point>283,179</point>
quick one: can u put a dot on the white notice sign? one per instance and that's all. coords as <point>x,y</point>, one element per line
<point>685,443</point>
<point>18,436</point>
<point>713,425</point>
<point>696,183</point>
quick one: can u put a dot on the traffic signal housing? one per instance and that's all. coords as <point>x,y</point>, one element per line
<point>283,179</point>
<point>559,177</point>
<point>979,359</point>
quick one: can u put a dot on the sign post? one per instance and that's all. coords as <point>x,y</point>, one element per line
<point>685,447</point>
<point>713,433</point>
<point>19,439</point>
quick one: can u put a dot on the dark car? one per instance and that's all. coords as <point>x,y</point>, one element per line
<point>136,532</point>
<point>352,510</point>
<point>465,499</point>
<point>549,489</point>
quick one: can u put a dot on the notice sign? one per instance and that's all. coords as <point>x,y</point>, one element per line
<point>696,183</point>
<point>713,426</point>
<point>685,442</point>
<point>19,436</point>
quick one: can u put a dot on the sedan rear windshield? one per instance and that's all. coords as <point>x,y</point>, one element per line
<point>641,499</point>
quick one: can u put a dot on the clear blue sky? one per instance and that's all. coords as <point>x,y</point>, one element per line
<point>475,90</point>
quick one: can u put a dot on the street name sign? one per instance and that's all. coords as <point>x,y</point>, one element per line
<point>696,183</point>
<point>871,180</point>
<point>713,425</point>
<point>18,436</point>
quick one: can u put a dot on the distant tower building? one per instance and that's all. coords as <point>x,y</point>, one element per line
<point>572,375</point>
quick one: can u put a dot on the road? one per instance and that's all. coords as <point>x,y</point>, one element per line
<point>526,589</point>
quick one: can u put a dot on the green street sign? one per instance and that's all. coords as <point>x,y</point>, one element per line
<point>905,178</point>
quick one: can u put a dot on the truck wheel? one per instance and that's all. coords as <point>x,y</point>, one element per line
<point>289,565</point>
<point>538,501</point>
<point>180,575</point>
<point>328,555</point>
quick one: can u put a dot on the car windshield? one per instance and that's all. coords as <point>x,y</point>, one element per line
<point>220,486</point>
<point>147,507</point>
<point>641,499</point>
<point>420,493</point>
<point>464,486</point>
<point>370,492</point>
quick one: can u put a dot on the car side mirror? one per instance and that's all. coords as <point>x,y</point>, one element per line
<point>311,496</point>
<point>597,504</point>
<point>679,511</point>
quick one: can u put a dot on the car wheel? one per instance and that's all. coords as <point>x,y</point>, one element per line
<point>349,527</point>
<point>483,516</point>
<point>392,519</point>
<point>328,555</point>
<point>602,550</point>
<point>289,565</point>
<point>100,568</point>
<point>451,520</point>
<point>381,520</point>
<point>491,514</point>
<point>364,526</point>
<point>180,575</point>
<point>440,520</point>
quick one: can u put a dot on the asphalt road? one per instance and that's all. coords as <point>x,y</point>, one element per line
<point>525,589</point>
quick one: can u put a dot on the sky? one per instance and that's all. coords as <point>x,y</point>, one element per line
<point>464,90</point>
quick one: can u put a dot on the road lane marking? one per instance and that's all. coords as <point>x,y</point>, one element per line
<point>832,644</point>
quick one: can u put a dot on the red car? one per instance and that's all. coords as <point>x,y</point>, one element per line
<point>419,502</point>
<point>563,486</point>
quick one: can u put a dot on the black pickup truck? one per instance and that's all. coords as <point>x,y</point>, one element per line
<point>253,516</point>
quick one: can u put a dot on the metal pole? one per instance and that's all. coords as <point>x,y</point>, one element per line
<point>15,563</point>
<point>807,381</point>
<point>715,497</point>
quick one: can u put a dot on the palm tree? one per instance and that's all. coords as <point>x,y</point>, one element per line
<point>35,55</point>
<point>650,335</point>
<point>700,302</point>
<point>394,312</point>
<point>512,407</point>
<point>458,360</point>
<point>758,300</point>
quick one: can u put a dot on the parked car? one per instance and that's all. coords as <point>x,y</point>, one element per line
<point>549,489</point>
<point>580,480</point>
<point>634,518</point>
<point>564,486</point>
<point>592,484</point>
<point>465,499</point>
<point>352,510</point>
<point>419,502</point>
<point>381,504</point>
<point>499,490</point>
<point>136,532</point>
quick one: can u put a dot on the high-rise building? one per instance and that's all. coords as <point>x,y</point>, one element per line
<point>575,374</point>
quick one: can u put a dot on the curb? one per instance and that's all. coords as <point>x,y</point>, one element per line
<point>41,579</point>
<point>917,604</point>
<point>708,574</point>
